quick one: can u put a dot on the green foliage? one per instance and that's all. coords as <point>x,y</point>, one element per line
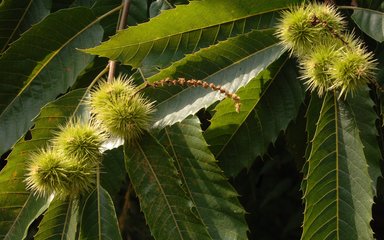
<point>20,207</point>
<point>199,168</point>
<point>212,21</point>
<point>36,78</point>
<point>247,135</point>
<point>98,217</point>
<point>167,209</point>
<point>231,64</point>
<point>371,22</point>
<point>59,221</point>
<point>338,163</point>
<point>203,181</point>
<point>18,16</point>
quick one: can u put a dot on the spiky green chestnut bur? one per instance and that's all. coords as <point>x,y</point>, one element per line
<point>331,23</point>
<point>330,59</point>
<point>120,109</point>
<point>80,141</point>
<point>49,172</point>
<point>315,68</point>
<point>81,179</point>
<point>302,28</point>
<point>353,69</point>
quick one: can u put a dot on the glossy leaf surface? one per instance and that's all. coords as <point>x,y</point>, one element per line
<point>230,64</point>
<point>167,209</point>
<point>99,219</point>
<point>244,136</point>
<point>43,71</point>
<point>371,22</point>
<point>199,24</point>
<point>339,193</point>
<point>59,222</point>
<point>215,200</point>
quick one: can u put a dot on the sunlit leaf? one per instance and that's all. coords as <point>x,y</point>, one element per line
<point>43,71</point>
<point>215,199</point>
<point>167,209</point>
<point>186,29</point>
<point>266,110</point>
<point>230,64</point>
<point>338,195</point>
<point>59,222</point>
<point>363,113</point>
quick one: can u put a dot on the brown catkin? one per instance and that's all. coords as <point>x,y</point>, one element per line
<point>198,83</point>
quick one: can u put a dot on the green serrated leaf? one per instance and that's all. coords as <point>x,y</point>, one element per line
<point>230,64</point>
<point>265,112</point>
<point>215,199</point>
<point>43,71</point>
<point>113,171</point>
<point>363,113</point>
<point>22,216</point>
<point>18,16</point>
<point>99,219</point>
<point>193,26</point>
<point>59,222</point>
<point>167,210</point>
<point>339,194</point>
<point>370,21</point>
<point>15,206</point>
<point>312,116</point>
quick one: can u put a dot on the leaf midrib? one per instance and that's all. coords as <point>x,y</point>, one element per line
<point>161,189</point>
<point>55,53</point>
<point>16,27</point>
<point>199,29</point>
<point>67,219</point>
<point>337,165</point>
<point>17,217</point>
<point>181,172</point>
